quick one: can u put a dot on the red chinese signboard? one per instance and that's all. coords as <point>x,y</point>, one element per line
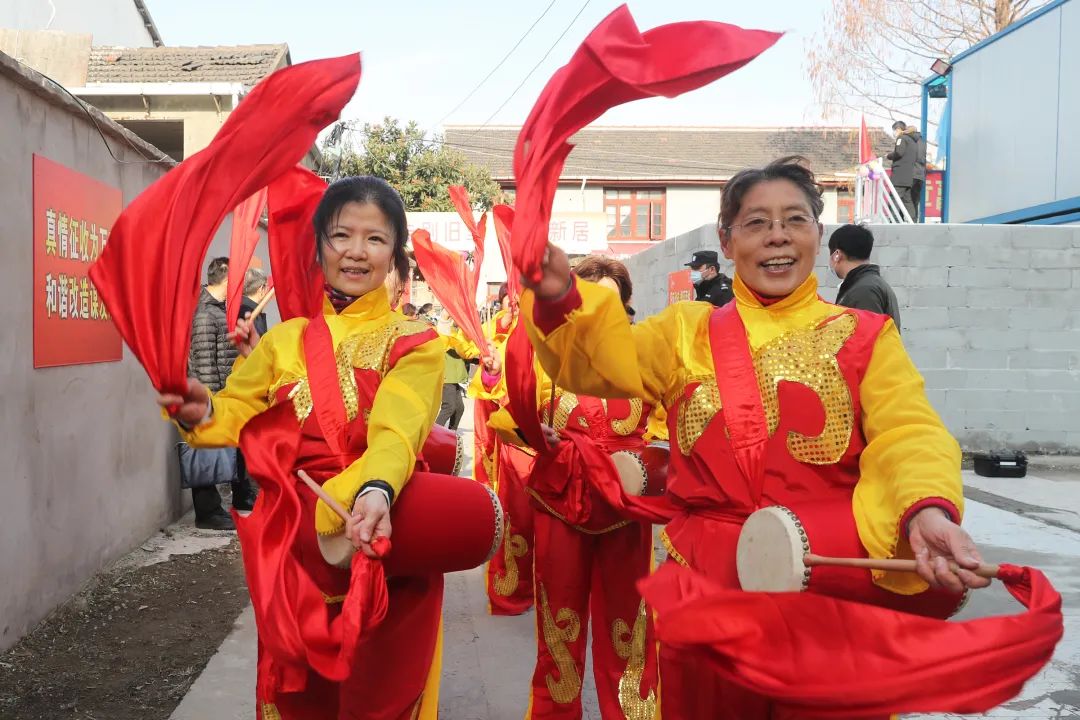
<point>679,287</point>
<point>934,188</point>
<point>73,214</point>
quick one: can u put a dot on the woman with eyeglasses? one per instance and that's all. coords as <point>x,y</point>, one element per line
<point>779,398</point>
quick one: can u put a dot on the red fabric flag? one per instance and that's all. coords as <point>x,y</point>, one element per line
<point>832,658</point>
<point>866,149</point>
<point>503,215</point>
<point>292,198</point>
<point>148,274</point>
<point>242,242</point>
<point>450,280</point>
<point>616,64</point>
<point>460,197</point>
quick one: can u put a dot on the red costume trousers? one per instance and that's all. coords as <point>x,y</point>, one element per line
<point>581,575</point>
<point>510,570</point>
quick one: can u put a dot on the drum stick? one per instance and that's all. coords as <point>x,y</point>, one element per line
<point>551,407</point>
<point>259,308</point>
<point>324,496</point>
<point>811,560</point>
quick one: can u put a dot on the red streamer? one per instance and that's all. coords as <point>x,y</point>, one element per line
<point>292,199</point>
<point>149,273</point>
<point>503,215</point>
<point>616,64</point>
<point>451,281</point>
<point>242,242</point>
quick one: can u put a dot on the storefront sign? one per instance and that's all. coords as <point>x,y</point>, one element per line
<point>73,214</point>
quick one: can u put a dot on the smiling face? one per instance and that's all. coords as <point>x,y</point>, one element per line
<point>773,261</point>
<point>358,249</point>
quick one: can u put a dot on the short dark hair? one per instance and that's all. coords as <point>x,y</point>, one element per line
<point>408,309</point>
<point>426,308</point>
<point>597,267</point>
<point>364,189</point>
<point>855,241</point>
<point>217,271</point>
<point>899,125</point>
<point>793,168</point>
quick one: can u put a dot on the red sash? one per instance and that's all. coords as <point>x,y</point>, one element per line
<point>327,403</point>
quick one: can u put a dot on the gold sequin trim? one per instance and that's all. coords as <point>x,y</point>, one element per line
<point>630,646</point>
<point>270,712</point>
<point>808,357</point>
<point>514,547</point>
<point>628,425</point>
<point>500,524</point>
<point>559,630</point>
<point>459,453</point>
<point>695,413</point>
<point>553,511</point>
<point>300,396</point>
<point>565,404</point>
<point>333,599</point>
<point>671,551</point>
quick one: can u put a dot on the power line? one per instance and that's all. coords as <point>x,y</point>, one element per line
<point>498,65</point>
<point>534,69</point>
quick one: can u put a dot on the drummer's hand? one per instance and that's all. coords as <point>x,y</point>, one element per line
<point>937,540</point>
<point>370,520</point>
<point>556,279</point>
<point>551,435</point>
<point>193,405</point>
<point>245,337</point>
<point>491,362</point>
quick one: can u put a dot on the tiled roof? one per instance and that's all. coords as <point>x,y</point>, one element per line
<point>674,153</point>
<point>247,64</point>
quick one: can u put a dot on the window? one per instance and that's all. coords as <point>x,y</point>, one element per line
<point>635,214</point>
<point>845,206</point>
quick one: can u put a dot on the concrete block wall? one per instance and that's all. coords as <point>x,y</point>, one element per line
<point>990,315</point>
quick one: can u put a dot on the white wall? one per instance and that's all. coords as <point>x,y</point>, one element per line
<point>990,315</point>
<point>111,22</point>
<point>1015,113</point>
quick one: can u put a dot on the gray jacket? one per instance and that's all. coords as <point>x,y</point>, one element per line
<point>212,354</point>
<point>865,289</point>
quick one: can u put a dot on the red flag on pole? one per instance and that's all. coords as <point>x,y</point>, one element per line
<point>866,148</point>
<point>617,63</point>
<point>242,242</point>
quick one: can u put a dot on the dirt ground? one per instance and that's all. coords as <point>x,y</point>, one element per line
<point>122,649</point>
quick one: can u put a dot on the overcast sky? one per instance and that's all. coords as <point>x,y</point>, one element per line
<point>422,57</point>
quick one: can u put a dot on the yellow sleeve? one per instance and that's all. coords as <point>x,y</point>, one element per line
<point>910,456</point>
<point>465,348</point>
<point>402,414</point>
<point>597,352</point>
<point>476,389</point>
<point>245,395</point>
<point>657,428</point>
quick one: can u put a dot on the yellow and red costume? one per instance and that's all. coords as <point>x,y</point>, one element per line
<point>842,417</point>
<point>509,574</point>
<point>587,562</point>
<point>387,372</point>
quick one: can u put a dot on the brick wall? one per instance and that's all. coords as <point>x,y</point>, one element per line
<point>990,315</point>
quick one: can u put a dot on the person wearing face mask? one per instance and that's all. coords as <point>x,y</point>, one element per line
<point>386,374</point>
<point>710,284</point>
<point>862,287</point>
<point>778,398</point>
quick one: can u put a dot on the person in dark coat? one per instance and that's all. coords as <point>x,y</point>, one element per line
<point>255,289</point>
<point>210,361</point>
<point>908,166</point>
<point>710,284</point>
<point>862,286</point>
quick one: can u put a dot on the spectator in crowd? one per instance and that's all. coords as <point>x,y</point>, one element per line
<point>459,354</point>
<point>908,166</point>
<point>408,310</point>
<point>862,286</point>
<point>210,361</point>
<point>255,289</point>
<point>425,313</point>
<point>711,284</point>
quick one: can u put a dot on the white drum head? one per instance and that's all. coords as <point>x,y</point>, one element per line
<point>337,550</point>
<point>769,556</point>
<point>631,471</point>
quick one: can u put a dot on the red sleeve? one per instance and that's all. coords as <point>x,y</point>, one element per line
<point>550,314</point>
<point>946,505</point>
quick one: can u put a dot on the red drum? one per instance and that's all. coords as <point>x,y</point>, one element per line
<point>643,473</point>
<point>443,451</point>
<point>774,540</point>
<point>441,524</point>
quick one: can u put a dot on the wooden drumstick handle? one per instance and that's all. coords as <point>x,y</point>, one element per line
<point>324,496</point>
<point>260,307</point>
<point>811,560</point>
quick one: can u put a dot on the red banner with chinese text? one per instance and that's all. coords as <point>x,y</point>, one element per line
<point>73,214</point>
<point>679,287</point>
<point>935,180</point>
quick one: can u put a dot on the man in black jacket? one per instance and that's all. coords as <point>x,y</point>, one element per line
<point>908,166</point>
<point>862,286</point>
<point>255,289</point>
<point>210,361</point>
<point>711,284</point>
